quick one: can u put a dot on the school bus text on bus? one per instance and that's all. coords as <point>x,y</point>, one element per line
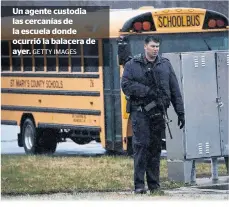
<point>179,21</point>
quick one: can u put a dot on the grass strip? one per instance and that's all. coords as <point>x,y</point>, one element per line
<point>52,174</point>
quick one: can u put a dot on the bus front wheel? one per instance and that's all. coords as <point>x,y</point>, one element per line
<point>38,141</point>
<point>29,137</point>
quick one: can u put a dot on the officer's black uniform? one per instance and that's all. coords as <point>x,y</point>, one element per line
<point>147,131</point>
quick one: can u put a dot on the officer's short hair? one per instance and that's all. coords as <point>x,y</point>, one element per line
<point>151,38</point>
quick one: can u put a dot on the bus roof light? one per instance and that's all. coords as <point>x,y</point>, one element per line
<point>138,26</point>
<point>220,23</point>
<point>146,26</point>
<point>211,23</point>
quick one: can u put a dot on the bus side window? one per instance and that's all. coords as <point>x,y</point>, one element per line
<point>27,59</point>
<point>5,56</point>
<point>91,58</point>
<point>91,49</point>
<point>76,64</point>
<point>51,59</point>
<point>91,64</point>
<point>63,58</point>
<point>39,58</point>
<point>76,58</point>
<point>16,59</point>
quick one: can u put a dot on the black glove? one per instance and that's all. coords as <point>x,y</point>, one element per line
<point>181,121</point>
<point>122,39</point>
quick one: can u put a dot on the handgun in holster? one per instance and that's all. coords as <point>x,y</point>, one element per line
<point>150,109</point>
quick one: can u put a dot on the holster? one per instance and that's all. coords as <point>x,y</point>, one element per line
<point>151,110</point>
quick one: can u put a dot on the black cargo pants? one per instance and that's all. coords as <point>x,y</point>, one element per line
<point>147,140</point>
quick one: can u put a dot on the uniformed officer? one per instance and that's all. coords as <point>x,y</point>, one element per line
<point>150,78</point>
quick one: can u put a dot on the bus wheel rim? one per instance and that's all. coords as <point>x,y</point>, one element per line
<point>29,139</point>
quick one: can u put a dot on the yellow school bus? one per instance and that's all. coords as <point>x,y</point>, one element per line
<point>53,97</point>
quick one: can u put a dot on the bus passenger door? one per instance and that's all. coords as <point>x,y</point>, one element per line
<point>112,108</point>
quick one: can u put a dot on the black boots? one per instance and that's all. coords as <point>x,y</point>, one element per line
<point>140,191</point>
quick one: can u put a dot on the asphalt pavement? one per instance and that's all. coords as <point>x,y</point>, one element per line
<point>9,145</point>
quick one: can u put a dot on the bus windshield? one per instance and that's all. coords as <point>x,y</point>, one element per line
<point>190,42</point>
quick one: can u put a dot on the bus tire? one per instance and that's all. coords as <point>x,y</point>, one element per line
<point>47,141</point>
<point>29,137</point>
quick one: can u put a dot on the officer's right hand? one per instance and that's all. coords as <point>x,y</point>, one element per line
<point>160,106</point>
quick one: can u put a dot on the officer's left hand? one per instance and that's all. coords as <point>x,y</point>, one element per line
<point>122,39</point>
<point>181,121</point>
